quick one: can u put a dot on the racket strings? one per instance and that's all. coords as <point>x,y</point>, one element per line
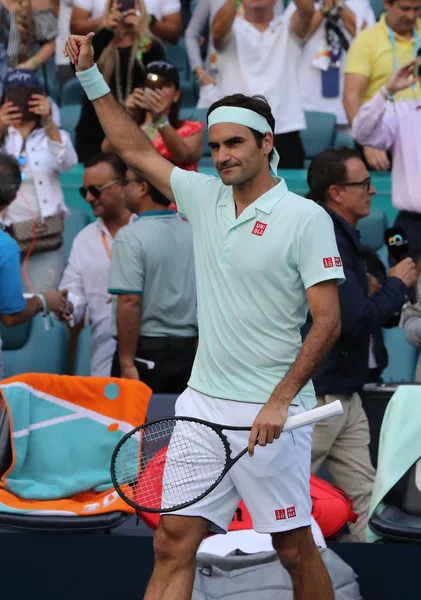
<point>169,463</point>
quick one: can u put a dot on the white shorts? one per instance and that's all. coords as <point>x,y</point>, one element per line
<point>274,483</point>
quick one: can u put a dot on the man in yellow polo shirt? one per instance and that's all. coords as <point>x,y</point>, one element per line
<point>373,56</point>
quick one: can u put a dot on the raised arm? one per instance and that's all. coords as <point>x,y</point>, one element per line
<point>301,19</point>
<point>122,132</point>
<point>222,23</point>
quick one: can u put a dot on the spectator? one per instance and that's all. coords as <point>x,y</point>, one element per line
<point>86,275</point>
<point>198,34</point>
<point>123,47</point>
<point>33,29</point>
<point>322,63</point>
<point>411,323</point>
<point>63,69</point>
<point>339,181</point>
<point>383,124</point>
<point>152,273</point>
<point>35,218</point>
<point>4,39</point>
<point>254,41</point>
<point>165,17</point>
<point>14,308</point>
<point>158,113</point>
<point>375,53</point>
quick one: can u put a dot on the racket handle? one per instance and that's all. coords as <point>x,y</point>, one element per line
<point>333,409</point>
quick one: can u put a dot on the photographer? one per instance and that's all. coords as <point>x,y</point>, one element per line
<point>156,109</point>
<point>14,308</point>
<point>123,47</point>
<point>388,125</point>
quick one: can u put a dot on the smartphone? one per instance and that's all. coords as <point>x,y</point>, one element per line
<point>126,5</point>
<point>154,81</point>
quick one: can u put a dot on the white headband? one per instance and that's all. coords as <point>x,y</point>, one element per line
<point>246,117</point>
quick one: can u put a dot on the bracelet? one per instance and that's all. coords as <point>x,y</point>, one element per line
<point>48,321</point>
<point>162,122</point>
<point>34,62</point>
<point>93,83</point>
<point>237,4</point>
<point>385,93</point>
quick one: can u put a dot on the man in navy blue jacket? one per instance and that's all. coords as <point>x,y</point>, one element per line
<point>339,181</point>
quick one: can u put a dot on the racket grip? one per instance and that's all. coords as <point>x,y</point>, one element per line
<point>333,409</point>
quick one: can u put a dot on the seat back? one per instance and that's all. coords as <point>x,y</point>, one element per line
<point>406,494</point>
<point>372,229</point>
<point>69,116</point>
<point>73,223</point>
<point>72,92</point>
<point>319,133</point>
<point>14,338</point>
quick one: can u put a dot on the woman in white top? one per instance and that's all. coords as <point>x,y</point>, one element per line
<point>35,218</point>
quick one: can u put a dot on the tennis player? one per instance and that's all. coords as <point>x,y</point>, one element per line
<point>263,256</point>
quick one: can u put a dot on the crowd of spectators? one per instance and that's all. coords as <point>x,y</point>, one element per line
<point>130,273</point>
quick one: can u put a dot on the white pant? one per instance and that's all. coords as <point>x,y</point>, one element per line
<point>274,483</point>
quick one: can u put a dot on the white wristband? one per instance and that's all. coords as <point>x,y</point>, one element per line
<point>44,303</point>
<point>93,83</point>
<point>385,93</point>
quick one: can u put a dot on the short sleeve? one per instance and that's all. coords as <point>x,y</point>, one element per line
<point>45,25</point>
<point>127,273</point>
<point>358,57</point>
<point>11,296</point>
<point>84,4</point>
<point>190,189</point>
<point>168,7</point>
<point>319,258</point>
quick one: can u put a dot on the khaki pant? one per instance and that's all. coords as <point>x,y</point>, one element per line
<point>341,444</point>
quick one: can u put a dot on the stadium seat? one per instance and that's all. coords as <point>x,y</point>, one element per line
<point>188,94</point>
<point>372,229</point>
<point>72,92</point>
<point>199,114</point>
<point>73,223</point>
<point>342,139</point>
<point>70,115</point>
<point>378,7</point>
<point>14,338</point>
<point>82,365</point>
<point>177,55</point>
<point>402,357</point>
<point>319,134</point>
<point>41,352</point>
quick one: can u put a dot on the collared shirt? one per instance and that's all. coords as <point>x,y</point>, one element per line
<point>383,125</point>
<point>86,278</point>
<point>371,54</point>
<point>252,273</point>
<point>154,257</point>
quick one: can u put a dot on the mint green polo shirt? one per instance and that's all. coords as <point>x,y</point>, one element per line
<point>252,273</point>
<point>154,257</point>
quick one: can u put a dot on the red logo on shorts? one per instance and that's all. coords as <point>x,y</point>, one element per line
<point>280,514</point>
<point>259,228</point>
<point>328,262</point>
<point>338,262</point>
<point>291,512</point>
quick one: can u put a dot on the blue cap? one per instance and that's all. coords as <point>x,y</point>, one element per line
<point>20,78</point>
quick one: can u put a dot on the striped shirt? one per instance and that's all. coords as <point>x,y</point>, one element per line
<point>45,29</point>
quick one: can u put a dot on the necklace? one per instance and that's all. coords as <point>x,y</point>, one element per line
<point>129,83</point>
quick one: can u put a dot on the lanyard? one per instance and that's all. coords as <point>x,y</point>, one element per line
<point>106,244</point>
<point>393,44</point>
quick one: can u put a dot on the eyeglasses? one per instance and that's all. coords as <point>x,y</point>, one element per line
<point>364,183</point>
<point>95,190</point>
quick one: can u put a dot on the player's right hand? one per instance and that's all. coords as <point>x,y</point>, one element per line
<point>406,271</point>
<point>80,51</point>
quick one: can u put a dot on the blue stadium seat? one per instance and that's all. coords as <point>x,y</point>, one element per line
<point>372,229</point>
<point>199,114</point>
<point>70,115</point>
<point>72,92</point>
<point>82,365</point>
<point>402,357</point>
<point>177,55</point>
<point>73,223</point>
<point>188,94</point>
<point>378,7</point>
<point>342,139</point>
<point>42,351</point>
<point>319,134</point>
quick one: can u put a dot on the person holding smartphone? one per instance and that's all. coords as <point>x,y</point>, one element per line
<point>385,124</point>
<point>123,47</point>
<point>156,108</point>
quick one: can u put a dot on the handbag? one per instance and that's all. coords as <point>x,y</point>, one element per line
<point>48,234</point>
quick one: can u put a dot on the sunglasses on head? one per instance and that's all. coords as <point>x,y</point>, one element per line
<point>95,190</point>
